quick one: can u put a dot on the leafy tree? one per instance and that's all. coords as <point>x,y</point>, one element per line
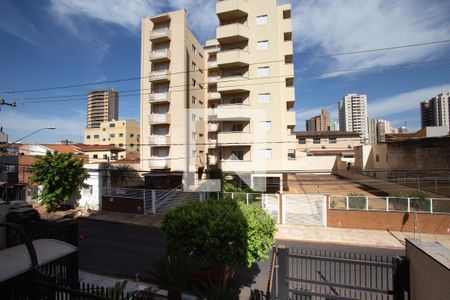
<point>219,233</point>
<point>60,174</point>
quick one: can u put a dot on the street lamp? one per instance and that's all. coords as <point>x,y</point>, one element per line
<point>43,128</point>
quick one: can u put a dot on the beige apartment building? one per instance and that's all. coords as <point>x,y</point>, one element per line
<point>227,104</point>
<point>319,123</point>
<point>103,105</point>
<point>123,134</point>
<point>353,114</point>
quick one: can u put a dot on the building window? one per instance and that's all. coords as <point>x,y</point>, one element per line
<point>194,135</point>
<point>377,158</point>
<point>262,45</point>
<point>194,49</point>
<point>287,36</point>
<point>265,125</point>
<point>287,14</point>
<point>105,156</point>
<point>194,117</point>
<point>95,156</point>
<point>96,136</point>
<point>289,82</point>
<point>302,141</point>
<point>291,154</point>
<point>112,125</point>
<point>316,140</point>
<point>131,135</point>
<point>111,135</point>
<point>194,100</point>
<point>332,140</point>
<point>264,98</point>
<point>120,145</point>
<point>131,145</point>
<point>194,82</point>
<point>120,134</point>
<point>263,71</point>
<point>236,100</point>
<point>194,152</point>
<point>237,155</point>
<point>88,137</point>
<point>261,20</point>
<point>237,127</point>
<point>194,66</point>
<point>265,153</point>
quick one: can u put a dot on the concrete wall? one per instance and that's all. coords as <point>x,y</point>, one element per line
<point>383,220</point>
<point>429,270</point>
<point>414,154</point>
<point>89,196</point>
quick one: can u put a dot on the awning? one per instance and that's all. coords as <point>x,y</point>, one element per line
<point>16,260</point>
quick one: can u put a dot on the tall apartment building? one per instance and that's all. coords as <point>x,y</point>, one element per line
<point>372,135</point>
<point>238,88</point>
<point>334,126</point>
<point>103,105</point>
<point>436,111</point>
<point>383,128</point>
<point>3,136</point>
<point>320,122</point>
<point>121,133</point>
<point>353,114</point>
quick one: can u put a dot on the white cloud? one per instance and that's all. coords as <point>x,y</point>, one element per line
<point>18,124</point>
<point>339,26</point>
<point>404,102</point>
<point>124,13</point>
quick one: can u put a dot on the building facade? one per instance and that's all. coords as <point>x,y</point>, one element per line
<point>383,128</point>
<point>436,111</point>
<point>353,114</point>
<point>320,122</point>
<point>103,105</point>
<point>122,134</point>
<point>237,97</point>
<point>3,136</point>
<point>334,126</point>
<point>372,133</point>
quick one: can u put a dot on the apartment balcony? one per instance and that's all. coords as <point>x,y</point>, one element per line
<point>290,118</point>
<point>232,84</point>
<point>159,118</point>
<point>160,55</point>
<point>213,64</point>
<point>213,79</point>
<point>156,162</point>
<point>159,76</point>
<point>232,33</point>
<point>212,144</point>
<point>233,138</point>
<point>233,58</point>
<point>159,97</point>
<point>160,35</point>
<point>234,112</point>
<point>212,159</point>
<point>214,95</point>
<point>213,127</point>
<point>159,140</point>
<point>231,9</point>
<point>212,112</point>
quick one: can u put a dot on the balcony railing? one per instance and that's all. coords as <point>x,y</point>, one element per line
<point>212,64</point>
<point>213,127</point>
<point>160,33</point>
<point>212,159</point>
<point>212,143</point>
<point>213,95</point>
<point>159,140</point>
<point>156,162</point>
<point>159,118</point>
<point>161,75</point>
<point>160,54</point>
<point>159,97</point>
<point>232,33</point>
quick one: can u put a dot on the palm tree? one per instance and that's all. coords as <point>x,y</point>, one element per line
<point>122,174</point>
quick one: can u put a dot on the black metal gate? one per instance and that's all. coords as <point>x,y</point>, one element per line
<point>310,274</point>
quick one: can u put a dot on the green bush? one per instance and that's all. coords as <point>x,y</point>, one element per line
<point>418,200</point>
<point>356,201</point>
<point>219,232</point>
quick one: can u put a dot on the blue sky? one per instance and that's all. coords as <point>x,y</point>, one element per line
<point>50,43</point>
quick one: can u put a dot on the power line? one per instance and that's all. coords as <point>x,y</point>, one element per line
<point>304,58</point>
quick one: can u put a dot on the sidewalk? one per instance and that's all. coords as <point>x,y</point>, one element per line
<point>359,237</point>
<point>125,218</point>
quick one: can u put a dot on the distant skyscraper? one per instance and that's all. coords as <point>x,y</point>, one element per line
<point>435,112</point>
<point>383,127</point>
<point>3,136</point>
<point>353,114</point>
<point>334,126</point>
<point>103,105</point>
<point>320,122</point>
<point>371,131</point>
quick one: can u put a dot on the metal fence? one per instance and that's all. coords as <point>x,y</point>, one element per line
<point>319,274</point>
<point>398,204</point>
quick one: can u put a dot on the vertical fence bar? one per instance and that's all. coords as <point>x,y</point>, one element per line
<point>431,205</point>
<point>153,202</point>
<point>218,195</point>
<point>145,202</point>
<point>367,203</point>
<point>346,203</point>
<point>387,203</point>
<point>283,272</point>
<point>409,204</point>
<point>246,197</point>
<point>232,195</point>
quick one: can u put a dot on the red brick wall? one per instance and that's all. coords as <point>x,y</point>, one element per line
<point>382,220</point>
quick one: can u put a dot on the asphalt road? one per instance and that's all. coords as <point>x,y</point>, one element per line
<point>126,250</point>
